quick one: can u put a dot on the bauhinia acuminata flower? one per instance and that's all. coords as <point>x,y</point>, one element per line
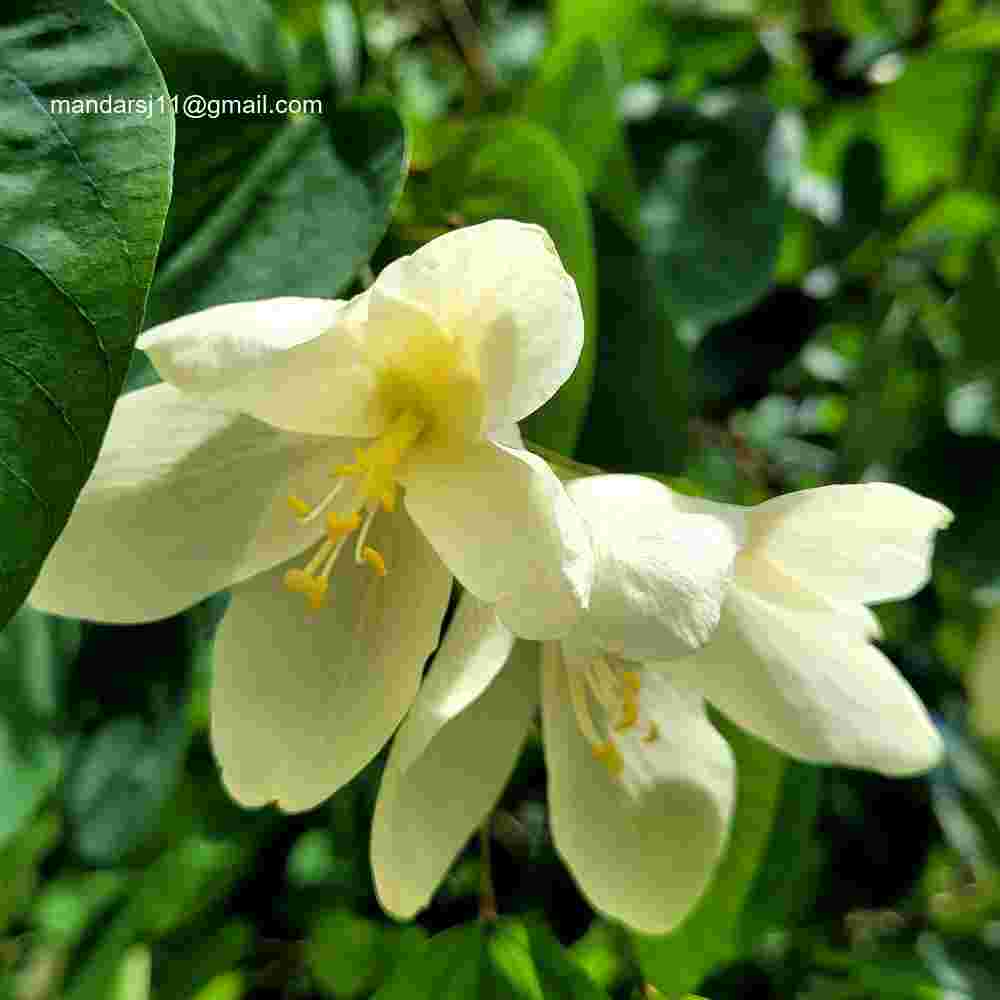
<point>355,454</point>
<point>640,784</point>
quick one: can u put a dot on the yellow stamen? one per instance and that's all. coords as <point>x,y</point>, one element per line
<point>652,733</point>
<point>610,756</point>
<point>299,581</point>
<point>298,505</point>
<point>631,679</point>
<point>630,712</point>
<point>340,527</point>
<point>374,559</point>
<point>376,465</point>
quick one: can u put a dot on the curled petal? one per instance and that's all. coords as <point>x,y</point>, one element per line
<point>808,683</point>
<point>660,572</point>
<point>295,363</point>
<point>867,542</point>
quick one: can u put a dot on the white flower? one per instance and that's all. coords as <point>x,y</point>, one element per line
<point>640,783</point>
<point>417,383</point>
<point>984,679</point>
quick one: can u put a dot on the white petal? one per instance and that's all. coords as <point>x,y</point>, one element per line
<point>984,682</point>
<point>501,285</point>
<point>473,651</point>
<point>184,500</point>
<point>641,854</point>
<point>867,542</point>
<point>296,363</point>
<point>660,573</point>
<point>808,683</point>
<point>427,810</point>
<point>502,522</point>
<point>302,699</point>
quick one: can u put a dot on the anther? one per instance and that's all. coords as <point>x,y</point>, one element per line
<point>652,733</point>
<point>374,559</point>
<point>610,756</point>
<point>299,506</point>
<point>340,527</point>
<point>630,713</point>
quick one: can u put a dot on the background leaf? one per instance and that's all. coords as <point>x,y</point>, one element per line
<point>82,203</point>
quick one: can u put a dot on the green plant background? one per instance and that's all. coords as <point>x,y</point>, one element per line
<point>783,220</point>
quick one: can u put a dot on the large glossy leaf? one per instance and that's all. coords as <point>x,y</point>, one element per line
<point>484,176</point>
<point>677,962</point>
<point>714,203</point>
<point>83,196</point>
<point>305,215</point>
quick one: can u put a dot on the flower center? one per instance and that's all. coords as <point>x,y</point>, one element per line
<point>614,690</point>
<point>374,471</point>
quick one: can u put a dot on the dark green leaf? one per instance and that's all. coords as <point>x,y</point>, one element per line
<point>714,206</point>
<point>82,202</point>
<point>307,214</point>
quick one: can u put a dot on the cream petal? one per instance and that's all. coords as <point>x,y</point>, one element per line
<point>502,286</point>
<point>428,808</point>
<point>301,699</point>
<point>864,543</point>
<point>295,363</point>
<point>184,500</point>
<point>502,522</point>
<point>473,651</point>
<point>809,684</point>
<point>642,849</point>
<point>660,573</point>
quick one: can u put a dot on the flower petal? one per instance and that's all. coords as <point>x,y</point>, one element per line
<point>660,573</point>
<point>473,651</point>
<point>807,682</point>
<point>641,853</point>
<point>302,700</point>
<point>867,542</point>
<point>503,524</point>
<point>184,500</point>
<point>426,810</point>
<point>295,363</point>
<point>502,285</point>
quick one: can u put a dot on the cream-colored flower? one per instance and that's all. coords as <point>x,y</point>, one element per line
<point>640,783</point>
<point>354,454</point>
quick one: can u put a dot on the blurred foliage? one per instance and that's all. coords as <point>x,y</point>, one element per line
<point>784,221</point>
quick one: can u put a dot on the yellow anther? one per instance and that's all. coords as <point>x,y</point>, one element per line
<point>652,733</point>
<point>314,587</point>
<point>610,756</point>
<point>341,527</point>
<point>298,505</point>
<point>631,679</point>
<point>630,713</point>
<point>374,559</point>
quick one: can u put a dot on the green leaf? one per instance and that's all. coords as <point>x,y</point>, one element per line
<point>83,198</point>
<point>484,176</point>
<point>714,207</point>
<point>646,428</point>
<point>306,215</point>
<point>125,764</point>
<point>34,650</point>
<point>576,98</point>
<point>507,961</point>
<point>677,962</point>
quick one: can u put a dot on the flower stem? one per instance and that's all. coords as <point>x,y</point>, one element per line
<point>487,895</point>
